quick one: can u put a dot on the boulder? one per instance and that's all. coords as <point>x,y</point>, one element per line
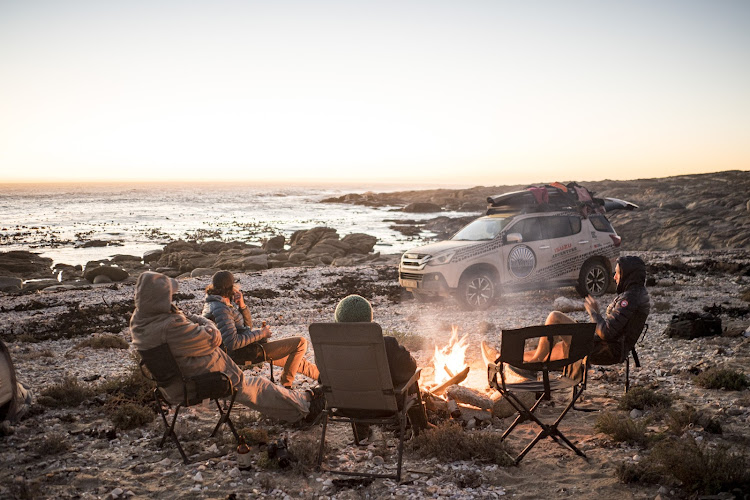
<point>297,257</point>
<point>10,284</point>
<point>119,258</point>
<point>186,260</point>
<point>330,247</point>
<point>421,208</point>
<point>305,240</point>
<point>113,273</point>
<point>180,246</point>
<point>94,243</point>
<point>152,255</point>
<point>359,243</point>
<point>242,261</point>
<point>274,244</point>
<point>168,271</point>
<point>101,278</point>
<point>220,246</point>
<point>203,271</point>
<point>34,285</point>
<point>22,264</point>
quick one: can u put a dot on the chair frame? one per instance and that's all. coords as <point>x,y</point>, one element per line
<point>511,352</point>
<point>634,354</point>
<point>171,374</point>
<point>331,387</point>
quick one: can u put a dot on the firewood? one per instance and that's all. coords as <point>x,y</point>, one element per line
<point>469,396</point>
<point>457,379</point>
<point>475,413</point>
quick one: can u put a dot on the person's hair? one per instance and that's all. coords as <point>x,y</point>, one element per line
<point>353,309</point>
<point>222,284</point>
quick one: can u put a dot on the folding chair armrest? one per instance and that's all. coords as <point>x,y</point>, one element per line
<point>402,388</point>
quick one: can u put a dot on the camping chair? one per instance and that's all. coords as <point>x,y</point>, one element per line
<point>260,357</point>
<point>573,376</point>
<point>356,381</point>
<point>632,352</point>
<point>159,365</point>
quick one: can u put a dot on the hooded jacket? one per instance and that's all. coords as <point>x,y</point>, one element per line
<point>234,333</point>
<point>626,315</point>
<point>194,341</point>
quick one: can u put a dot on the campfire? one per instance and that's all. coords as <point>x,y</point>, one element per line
<point>444,394</point>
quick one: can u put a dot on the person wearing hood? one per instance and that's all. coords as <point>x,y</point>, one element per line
<point>195,343</point>
<point>226,307</point>
<point>617,330</point>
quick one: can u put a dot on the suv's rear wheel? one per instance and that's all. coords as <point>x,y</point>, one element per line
<point>477,291</point>
<point>594,279</point>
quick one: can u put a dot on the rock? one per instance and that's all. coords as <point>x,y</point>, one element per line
<point>564,304</point>
<point>10,284</point>
<point>378,460</point>
<point>25,265</point>
<point>152,255</point>
<point>187,260</point>
<point>297,257</point>
<point>101,278</point>
<point>274,244</point>
<point>198,477</point>
<point>120,258</point>
<point>304,241</point>
<point>34,285</point>
<point>636,413</point>
<point>503,408</point>
<point>241,261</point>
<point>94,243</point>
<point>359,243</point>
<point>203,271</point>
<point>180,246</point>
<point>421,208</point>
<point>113,273</point>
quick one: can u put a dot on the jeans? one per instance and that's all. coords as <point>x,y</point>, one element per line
<point>288,353</point>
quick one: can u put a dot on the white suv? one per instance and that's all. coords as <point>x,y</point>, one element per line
<point>517,247</point>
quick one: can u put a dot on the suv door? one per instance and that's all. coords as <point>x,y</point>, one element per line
<point>523,261</point>
<point>567,245</point>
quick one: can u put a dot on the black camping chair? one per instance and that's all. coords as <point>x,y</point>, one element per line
<point>159,365</point>
<point>574,367</point>
<point>356,380</point>
<point>632,352</point>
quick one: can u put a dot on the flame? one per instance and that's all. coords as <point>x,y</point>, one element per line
<point>449,360</point>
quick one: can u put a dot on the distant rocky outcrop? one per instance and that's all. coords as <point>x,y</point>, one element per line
<point>685,212</point>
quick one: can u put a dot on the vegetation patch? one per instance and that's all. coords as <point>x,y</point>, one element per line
<point>745,295</point>
<point>722,378</point>
<point>52,444</point>
<point>128,416</point>
<point>678,421</point>
<point>643,398</point>
<point>103,342</point>
<point>68,394</point>
<point>662,306</point>
<point>622,428</point>
<point>449,442</point>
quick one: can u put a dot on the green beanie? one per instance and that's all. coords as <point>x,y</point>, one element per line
<point>353,309</point>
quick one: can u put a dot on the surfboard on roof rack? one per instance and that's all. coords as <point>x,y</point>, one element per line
<point>552,197</point>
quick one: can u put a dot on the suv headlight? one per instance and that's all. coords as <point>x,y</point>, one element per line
<point>441,259</point>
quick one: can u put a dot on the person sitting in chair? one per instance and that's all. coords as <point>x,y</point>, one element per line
<point>617,330</point>
<point>401,364</point>
<point>226,307</point>
<point>195,343</point>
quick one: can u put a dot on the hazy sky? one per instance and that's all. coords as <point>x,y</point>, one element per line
<point>464,92</point>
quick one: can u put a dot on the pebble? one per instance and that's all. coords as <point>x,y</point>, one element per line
<point>378,460</point>
<point>198,477</point>
<point>636,413</point>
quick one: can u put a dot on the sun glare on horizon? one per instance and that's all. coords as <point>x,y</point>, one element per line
<point>430,93</point>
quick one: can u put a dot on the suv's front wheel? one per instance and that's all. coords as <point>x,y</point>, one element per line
<point>477,291</point>
<point>594,279</point>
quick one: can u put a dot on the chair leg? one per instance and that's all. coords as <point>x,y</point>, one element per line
<point>627,374</point>
<point>224,417</point>
<point>401,446</point>
<point>323,438</point>
<point>173,435</point>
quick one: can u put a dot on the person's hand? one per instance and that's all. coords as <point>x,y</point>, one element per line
<point>591,305</point>
<point>266,331</point>
<point>238,298</point>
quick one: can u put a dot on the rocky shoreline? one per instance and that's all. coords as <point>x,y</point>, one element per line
<point>45,333</point>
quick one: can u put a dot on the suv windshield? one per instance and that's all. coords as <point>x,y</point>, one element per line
<point>481,229</point>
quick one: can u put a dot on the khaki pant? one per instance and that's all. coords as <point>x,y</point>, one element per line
<point>288,353</point>
<point>272,400</point>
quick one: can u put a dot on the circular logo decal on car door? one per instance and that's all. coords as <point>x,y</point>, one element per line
<point>521,261</point>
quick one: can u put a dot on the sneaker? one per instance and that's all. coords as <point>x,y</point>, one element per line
<point>317,405</point>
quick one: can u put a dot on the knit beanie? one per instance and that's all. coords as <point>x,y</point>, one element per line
<point>353,309</point>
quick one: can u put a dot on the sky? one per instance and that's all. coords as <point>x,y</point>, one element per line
<point>424,92</point>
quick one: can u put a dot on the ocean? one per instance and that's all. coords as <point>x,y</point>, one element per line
<point>56,220</point>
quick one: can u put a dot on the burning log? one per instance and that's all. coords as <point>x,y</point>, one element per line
<point>456,379</point>
<point>469,396</point>
<point>468,414</point>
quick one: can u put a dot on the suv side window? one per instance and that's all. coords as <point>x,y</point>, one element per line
<point>530,229</point>
<point>560,226</point>
<point>601,223</point>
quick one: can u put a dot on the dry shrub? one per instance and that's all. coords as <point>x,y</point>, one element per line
<point>680,420</point>
<point>745,294</point>
<point>662,306</point>
<point>103,342</point>
<point>29,356</point>
<point>622,428</point>
<point>701,469</point>
<point>722,378</point>
<point>410,341</point>
<point>254,435</point>
<point>128,416</point>
<point>52,444</point>
<point>449,442</point>
<point>643,398</point>
<point>69,393</point>
<point>304,448</point>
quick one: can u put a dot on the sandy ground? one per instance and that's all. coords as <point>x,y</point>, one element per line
<point>291,299</point>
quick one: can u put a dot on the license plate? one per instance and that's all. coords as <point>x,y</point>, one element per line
<point>409,283</point>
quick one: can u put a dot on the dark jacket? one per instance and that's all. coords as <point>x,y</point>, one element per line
<point>231,324</point>
<point>626,316</point>
<point>400,362</point>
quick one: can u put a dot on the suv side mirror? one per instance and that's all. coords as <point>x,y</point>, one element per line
<point>514,238</point>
